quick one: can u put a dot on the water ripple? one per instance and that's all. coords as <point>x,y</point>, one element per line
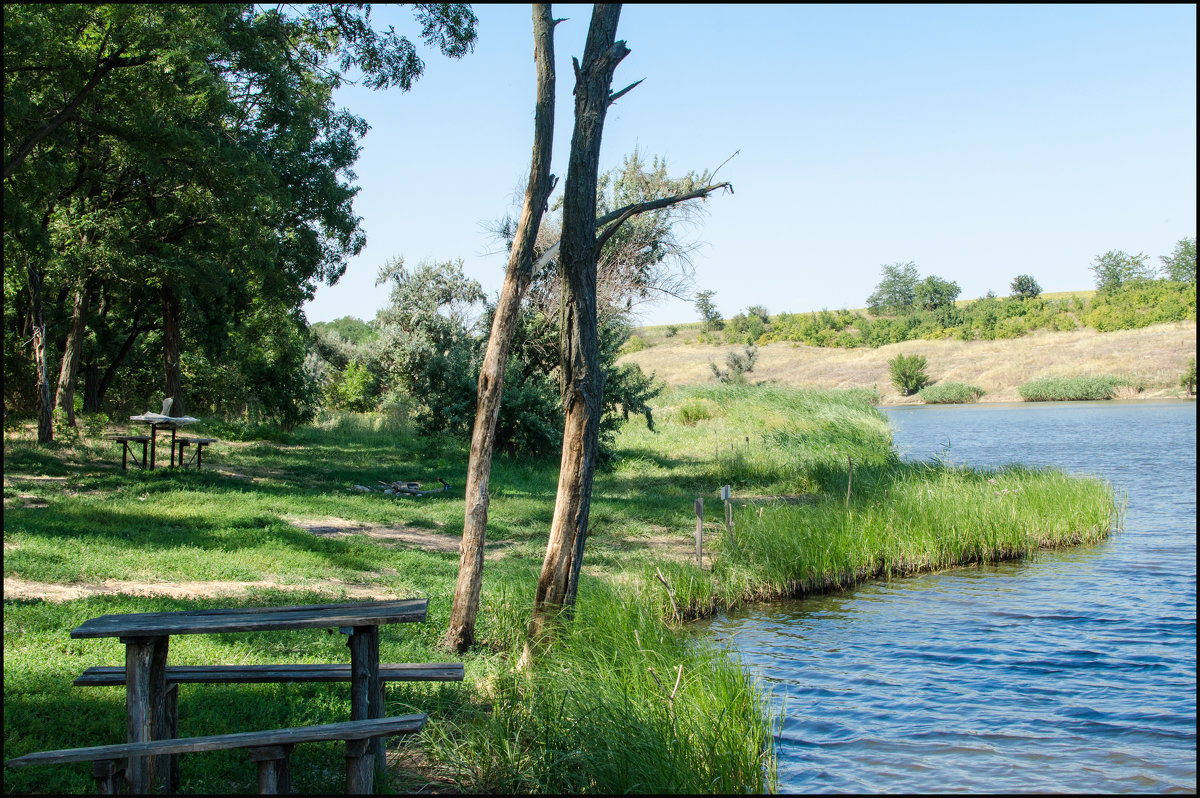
<point>1074,671</point>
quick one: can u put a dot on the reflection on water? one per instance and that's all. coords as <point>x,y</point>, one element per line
<point>1072,672</point>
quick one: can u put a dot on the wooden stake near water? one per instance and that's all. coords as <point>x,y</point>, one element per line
<point>726,494</point>
<point>849,480</point>
<point>699,532</point>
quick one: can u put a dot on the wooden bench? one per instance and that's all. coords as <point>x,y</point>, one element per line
<point>199,443</point>
<point>107,676</point>
<point>270,749</point>
<point>125,440</point>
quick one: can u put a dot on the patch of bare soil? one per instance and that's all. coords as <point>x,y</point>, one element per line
<point>424,539</point>
<point>18,588</point>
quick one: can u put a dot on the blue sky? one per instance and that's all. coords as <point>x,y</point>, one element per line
<point>980,142</point>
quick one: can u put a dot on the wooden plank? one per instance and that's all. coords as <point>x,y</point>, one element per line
<point>104,676</point>
<point>347,730</point>
<point>255,619</point>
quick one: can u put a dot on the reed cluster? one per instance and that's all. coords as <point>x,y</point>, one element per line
<point>950,393</point>
<point>1070,389</point>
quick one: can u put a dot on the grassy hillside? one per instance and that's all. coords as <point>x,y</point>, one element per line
<point>1152,357</point>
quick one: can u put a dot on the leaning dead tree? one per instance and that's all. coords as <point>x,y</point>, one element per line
<point>461,633</point>
<point>521,268</point>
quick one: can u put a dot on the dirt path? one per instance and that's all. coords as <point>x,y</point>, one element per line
<point>18,588</point>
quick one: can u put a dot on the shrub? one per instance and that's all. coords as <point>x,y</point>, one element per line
<point>908,373</point>
<point>950,393</point>
<point>694,410</point>
<point>94,424</point>
<point>739,365</point>
<point>636,343</point>
<point>1070,389</point>
<point>1188,380</point>
<point>672,330</point>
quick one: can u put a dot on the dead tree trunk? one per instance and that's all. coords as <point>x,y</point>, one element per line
<point>72,353</point>
<point>172,381</point>
<point>461,633</point>
<point>582,379</point>
<point>45,426</point>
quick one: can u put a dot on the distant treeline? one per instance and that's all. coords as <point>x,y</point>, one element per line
<point>1129,307</point>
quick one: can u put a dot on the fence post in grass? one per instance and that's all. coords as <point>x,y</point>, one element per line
<point>699,532</point>
<point>849,479</point>
<point>726,493</point>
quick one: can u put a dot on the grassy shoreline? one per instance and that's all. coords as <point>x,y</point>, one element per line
<point>600,713</point>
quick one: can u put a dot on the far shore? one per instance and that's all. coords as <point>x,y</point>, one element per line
<point>1153,358</point>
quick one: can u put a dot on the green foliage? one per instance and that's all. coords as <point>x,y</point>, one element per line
<point>1180,265</point>
<point>908,373</point>
<point>671,331</point>
<point>94,424</point>
<point>1024,286</point>
<point>950,393</point>
<point>761,312</point>
<point>1141,303</point>
<point>897,291</point>
<point>1116,268</point>
<point>426,347</point>
<point>709,315</point>
<point>351,389</point>
<point>745,329</point>
<point>206,155</point>
<point>349,329</point>
<point>636,343</point>
<point>1070,389</point>
<point>693,410</point>
<point>933,293</point>
<point>1188,381</point>
<point>65,433</point>
<point>738,365</point>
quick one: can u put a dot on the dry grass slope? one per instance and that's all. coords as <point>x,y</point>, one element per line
<point>1153,357</point>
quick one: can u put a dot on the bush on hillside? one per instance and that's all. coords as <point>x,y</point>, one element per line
<point>908,373</point>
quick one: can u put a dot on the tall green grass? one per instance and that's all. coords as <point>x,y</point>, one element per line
<point>950,393</point>
<point>1070,389</point>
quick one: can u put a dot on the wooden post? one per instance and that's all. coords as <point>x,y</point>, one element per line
<point>274,768</point>
<point>359,769</point>
<point>109,775</point>
<point>145,708</point>
<point>726,494</point>
<point>172,733</point>
<point>849,479</point>
<point>699,532</point>
<point>365,699</point>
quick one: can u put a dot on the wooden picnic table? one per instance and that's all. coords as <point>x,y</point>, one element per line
<point>146,636</point>
<point>157,421</point>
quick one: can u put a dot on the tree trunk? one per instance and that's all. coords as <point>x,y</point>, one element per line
<point>171,379</point>
<point>582,378</point>
<point>72,353</point>
<point>45,427</point>
<point>461,634</point>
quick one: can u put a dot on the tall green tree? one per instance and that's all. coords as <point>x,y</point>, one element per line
<point>1180,265</point>
<point>207,131</point>
<point>896,293</point>
<point>935,293</point>
<point>1024,286</point>
<point>1117,268</point>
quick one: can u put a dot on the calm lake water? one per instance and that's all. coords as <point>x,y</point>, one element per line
<point>1073,672</point>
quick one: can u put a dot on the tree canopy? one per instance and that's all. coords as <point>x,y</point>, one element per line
<point>178,176</point>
